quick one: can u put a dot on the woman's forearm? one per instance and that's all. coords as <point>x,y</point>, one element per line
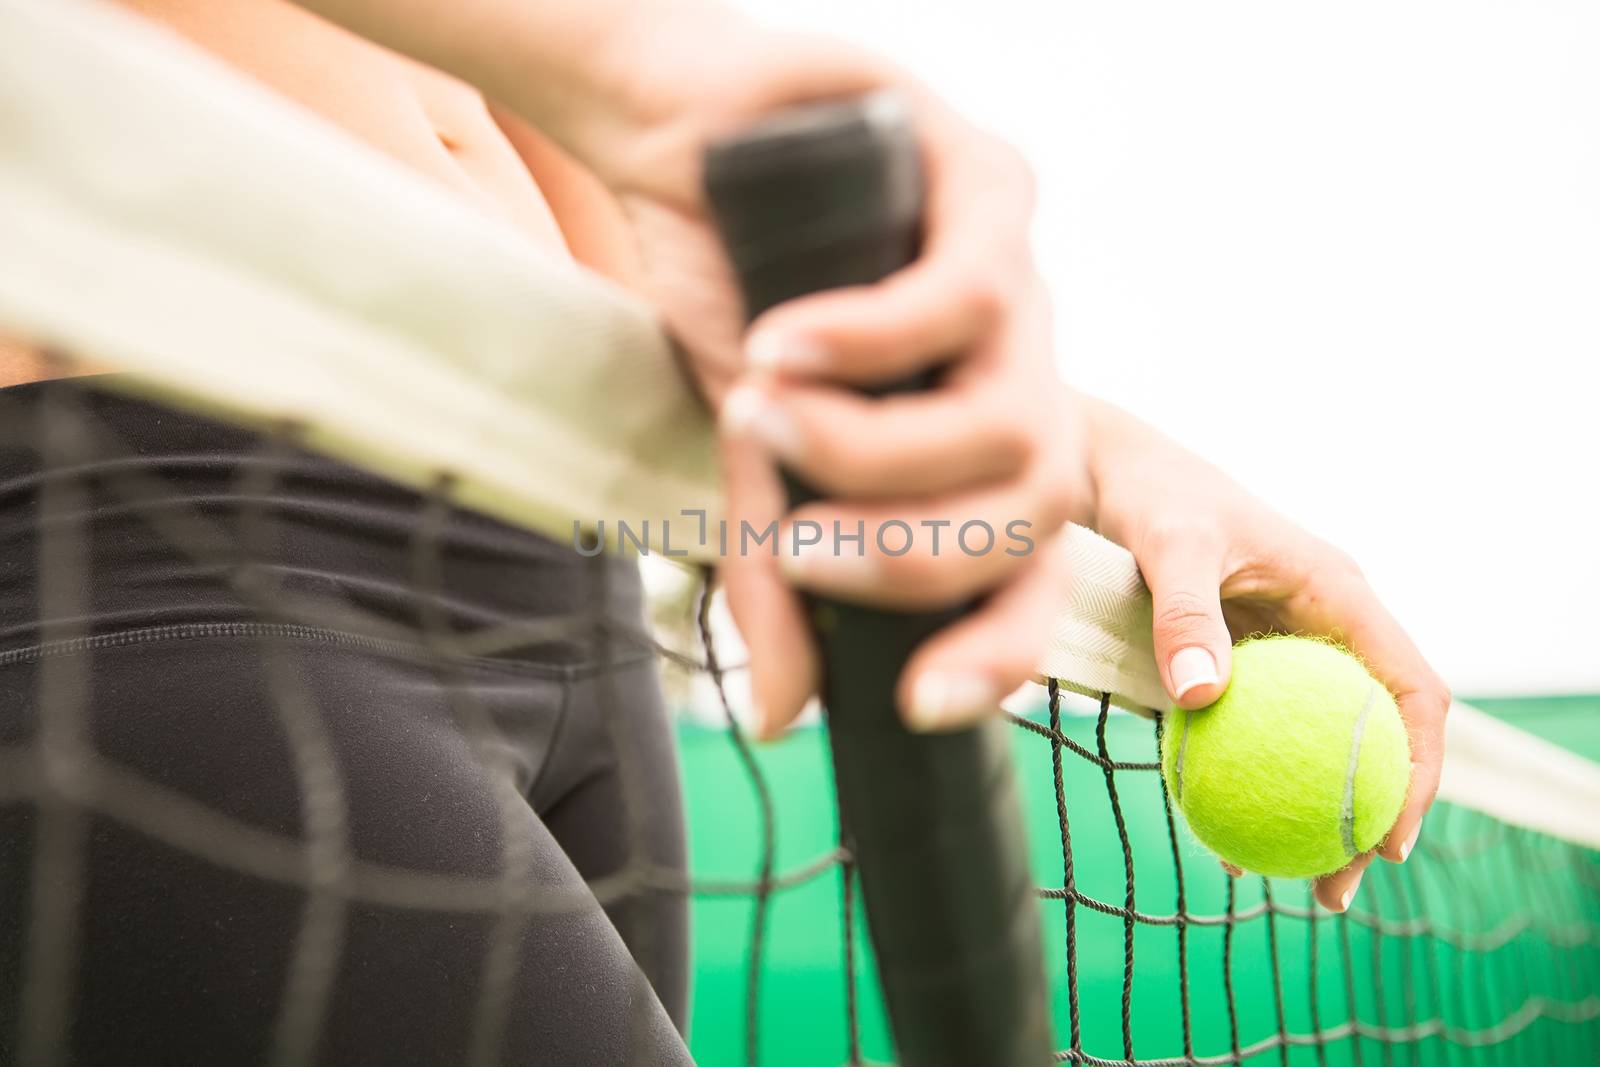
<point>561,64</point>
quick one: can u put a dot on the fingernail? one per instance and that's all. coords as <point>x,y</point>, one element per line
<point>1350,893</point>
<point>939,700</point>
<point>769,350</point>
<point>747,411</point>
<point>822,561</point>
<point>1191,668</point>
<point>1411,842</point>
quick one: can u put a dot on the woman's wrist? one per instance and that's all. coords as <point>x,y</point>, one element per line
<point>586,72</point>
<point>576,69</point>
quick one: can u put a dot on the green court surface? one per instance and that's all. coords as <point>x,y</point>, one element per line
<point>1469,877</point>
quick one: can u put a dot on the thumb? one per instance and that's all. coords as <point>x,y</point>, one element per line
<point>1192,644</point>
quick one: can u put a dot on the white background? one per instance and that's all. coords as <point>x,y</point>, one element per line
<point>1348,251</point>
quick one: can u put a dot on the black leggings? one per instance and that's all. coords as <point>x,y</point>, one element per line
<point>300,767</point>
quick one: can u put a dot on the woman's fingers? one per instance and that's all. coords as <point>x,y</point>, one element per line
<point>844,443</point>
<point>1335,891</point>
<point>915,319</point>
<point>1424,700</point>
<point>1402,837</point>
<point>960,674</point>
<point>917,553</point>
<point>973,270</point>
<point>1183,567</point>
<point>956,676</point>
<point>771,618</point>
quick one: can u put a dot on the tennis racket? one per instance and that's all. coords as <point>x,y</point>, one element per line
<point>820,197</point>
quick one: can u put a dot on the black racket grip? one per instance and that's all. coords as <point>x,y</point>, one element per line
<point>819,197</point>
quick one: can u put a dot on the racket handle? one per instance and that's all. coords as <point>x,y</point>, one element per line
<point>819,197</point>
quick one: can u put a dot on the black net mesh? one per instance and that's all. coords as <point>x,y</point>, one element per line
<point>297,766</point>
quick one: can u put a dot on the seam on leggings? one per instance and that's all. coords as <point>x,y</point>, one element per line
<point>291,631</point>
<point>557,737</point>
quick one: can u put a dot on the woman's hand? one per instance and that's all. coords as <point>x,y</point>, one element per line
<point>680,76</point>
<point>993,443</point>
<point>1221,566</point>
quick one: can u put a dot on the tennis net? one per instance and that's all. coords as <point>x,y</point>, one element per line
<point>1483,948</point>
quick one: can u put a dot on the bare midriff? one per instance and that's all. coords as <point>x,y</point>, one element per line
<point>435,124</point>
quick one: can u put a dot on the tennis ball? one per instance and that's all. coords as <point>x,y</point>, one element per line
<point>1301,763</point>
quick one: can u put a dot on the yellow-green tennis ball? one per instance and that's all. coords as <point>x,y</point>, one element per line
<point>1301,763</point>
